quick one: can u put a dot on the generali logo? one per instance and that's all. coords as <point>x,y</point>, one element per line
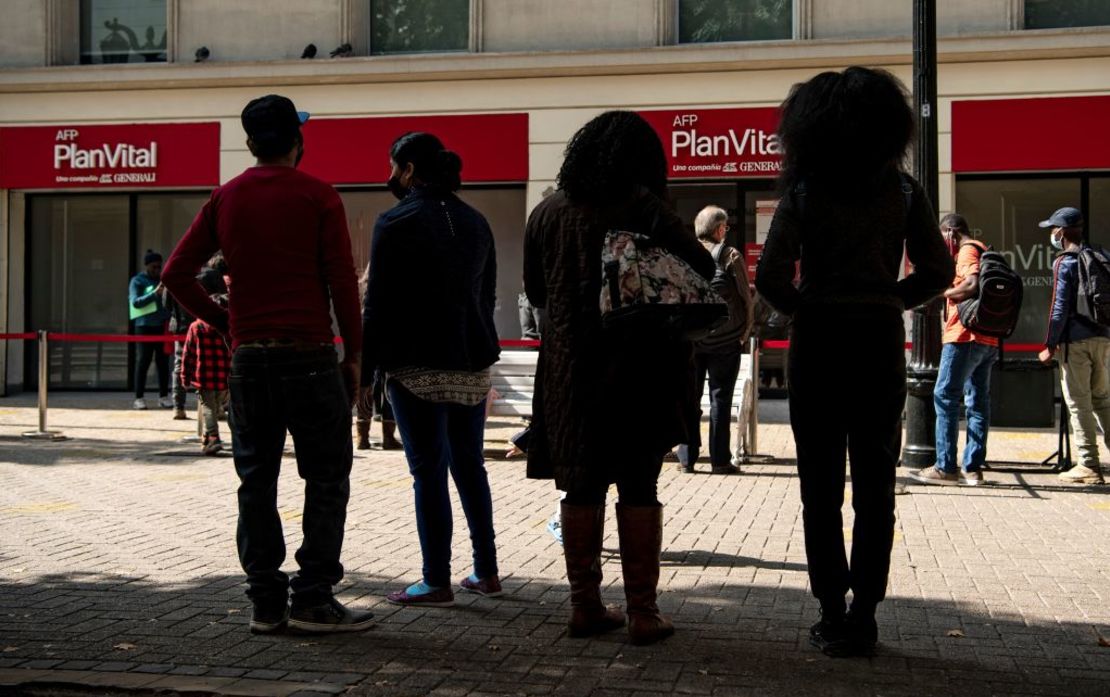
<point>69,155</point>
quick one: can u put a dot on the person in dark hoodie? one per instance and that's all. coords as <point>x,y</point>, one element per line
<point>428,326</point>
<point>847,212</point>
<point>607,406</point>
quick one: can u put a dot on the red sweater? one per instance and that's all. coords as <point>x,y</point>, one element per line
<point>284,236</point>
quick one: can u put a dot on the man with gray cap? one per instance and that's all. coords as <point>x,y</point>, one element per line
<point>1085,364</point>
<point>284,239</point>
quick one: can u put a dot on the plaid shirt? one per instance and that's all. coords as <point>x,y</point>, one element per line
<point>205,360</point>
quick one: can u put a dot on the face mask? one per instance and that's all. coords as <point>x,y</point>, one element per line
<point>396,189</point>
<point>1056,242</point>
<point>300,155</point>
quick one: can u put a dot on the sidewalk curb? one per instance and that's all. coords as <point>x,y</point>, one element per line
<point>186,684</point>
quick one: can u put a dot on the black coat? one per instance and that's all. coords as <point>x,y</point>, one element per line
<point>601,401</point>
<point>431,287</point>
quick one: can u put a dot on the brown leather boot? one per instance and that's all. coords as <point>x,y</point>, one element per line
<point>362,428</point>
<point>389,440</point>
<point>641,534</point>
<point>583,527</point>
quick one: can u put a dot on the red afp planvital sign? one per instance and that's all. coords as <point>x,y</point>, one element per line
<point>108,157</point>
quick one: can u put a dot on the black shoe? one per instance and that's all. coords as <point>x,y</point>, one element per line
<point>269,618</point>
<point>331,616</point>
<point>726,469</point>
<point>831,636</point>
<point>863,633</point>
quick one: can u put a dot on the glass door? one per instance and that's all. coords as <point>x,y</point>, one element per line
<point>78,284</point>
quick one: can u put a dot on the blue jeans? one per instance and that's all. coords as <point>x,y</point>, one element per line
<point>274,390</point>
<point>439,438</point>
<point>965,373</point>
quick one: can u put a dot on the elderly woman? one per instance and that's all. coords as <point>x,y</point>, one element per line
<point>608,406</point>
<point>428,325</point>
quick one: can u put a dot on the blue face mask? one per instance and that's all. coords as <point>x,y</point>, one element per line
<point>1056,242</point>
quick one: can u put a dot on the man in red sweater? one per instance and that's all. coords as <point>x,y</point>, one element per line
<point>284,237</point>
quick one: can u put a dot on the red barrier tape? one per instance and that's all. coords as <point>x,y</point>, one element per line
<point>165,338</point>
<point>114,338</point>
<point>1016,348</point>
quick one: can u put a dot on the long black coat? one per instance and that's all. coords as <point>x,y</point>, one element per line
<point>602,402</point>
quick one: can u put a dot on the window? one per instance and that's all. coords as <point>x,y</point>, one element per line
<point>419,26</point>
<point>123,31</point>
<point>705,21</point>
<point>1053,14</point>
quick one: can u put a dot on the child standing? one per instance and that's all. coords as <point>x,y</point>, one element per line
<point>205,363</point>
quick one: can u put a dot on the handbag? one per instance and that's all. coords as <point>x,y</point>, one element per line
<point>647,289</point>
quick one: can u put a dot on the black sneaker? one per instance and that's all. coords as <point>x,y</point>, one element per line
<point>269,618</point>
<point>831,636</point>
<point>328,617</point>
<point>863,633</point>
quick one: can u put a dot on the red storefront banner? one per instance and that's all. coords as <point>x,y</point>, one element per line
<point>117,156</point>
<point>1031,135</point>
<point>493,147</point>
<point>715,143</point>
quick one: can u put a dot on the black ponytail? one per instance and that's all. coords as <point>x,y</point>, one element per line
<point>438,168</point>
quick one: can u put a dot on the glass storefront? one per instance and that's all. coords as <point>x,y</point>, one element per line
<point>83,250</point>
<point>1004,212</point>
<point>503,207</point>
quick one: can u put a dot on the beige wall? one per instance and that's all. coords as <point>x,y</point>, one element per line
<point>258,29</point>
<point>22,33</point>
<point>541,25</point>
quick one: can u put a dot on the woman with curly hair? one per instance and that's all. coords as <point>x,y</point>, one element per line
<point>848,212</point>
<point>607,407</point>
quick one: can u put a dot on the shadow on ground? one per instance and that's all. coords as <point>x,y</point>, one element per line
<point>732,639</point>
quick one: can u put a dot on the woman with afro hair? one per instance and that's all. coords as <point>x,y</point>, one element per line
<point>607,407</point>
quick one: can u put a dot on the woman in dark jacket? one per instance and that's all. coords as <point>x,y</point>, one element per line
<point>847,213</point>
<point>428,324</point>
<point>607,408</point>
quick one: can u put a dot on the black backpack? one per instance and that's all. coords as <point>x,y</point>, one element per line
<point>1092,300</point>
<point>994,311</point>
<point>726,337</point>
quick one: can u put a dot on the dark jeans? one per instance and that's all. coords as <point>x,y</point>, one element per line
<point>177,389</point>
<point>721,369</point>
<point>148,351</point>
<point>274,389</point>
<point>847,390</point>
<point>442,437</point>
<point>637,484</point>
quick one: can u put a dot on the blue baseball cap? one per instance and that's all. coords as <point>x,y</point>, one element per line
<point>1064,217</point>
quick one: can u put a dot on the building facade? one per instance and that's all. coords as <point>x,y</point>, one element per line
<point>117,117</point>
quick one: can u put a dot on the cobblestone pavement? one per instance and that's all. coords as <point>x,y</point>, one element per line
<point>118,570</point>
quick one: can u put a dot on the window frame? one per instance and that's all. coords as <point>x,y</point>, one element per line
<point>63,31</point>
<point>800,25</point>
<point>473,42</point>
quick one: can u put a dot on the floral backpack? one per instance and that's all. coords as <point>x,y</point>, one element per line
<point>647,289</point>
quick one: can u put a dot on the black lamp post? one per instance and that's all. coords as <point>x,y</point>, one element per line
<point>920,447</point>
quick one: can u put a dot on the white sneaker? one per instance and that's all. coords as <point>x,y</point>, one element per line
<point>165,402</point>
<point>1079,474</point>
<point>139,403</point>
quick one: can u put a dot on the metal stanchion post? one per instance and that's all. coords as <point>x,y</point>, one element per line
<point>44,383</point>
<point>753,418</point>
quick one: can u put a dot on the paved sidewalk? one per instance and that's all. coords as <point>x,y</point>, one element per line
<point>118,570</point>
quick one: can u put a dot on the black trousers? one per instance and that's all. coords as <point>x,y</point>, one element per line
<point>847,389</point>
<point>722,370</point>
<point>274,390</point>
<point>149,351</point>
